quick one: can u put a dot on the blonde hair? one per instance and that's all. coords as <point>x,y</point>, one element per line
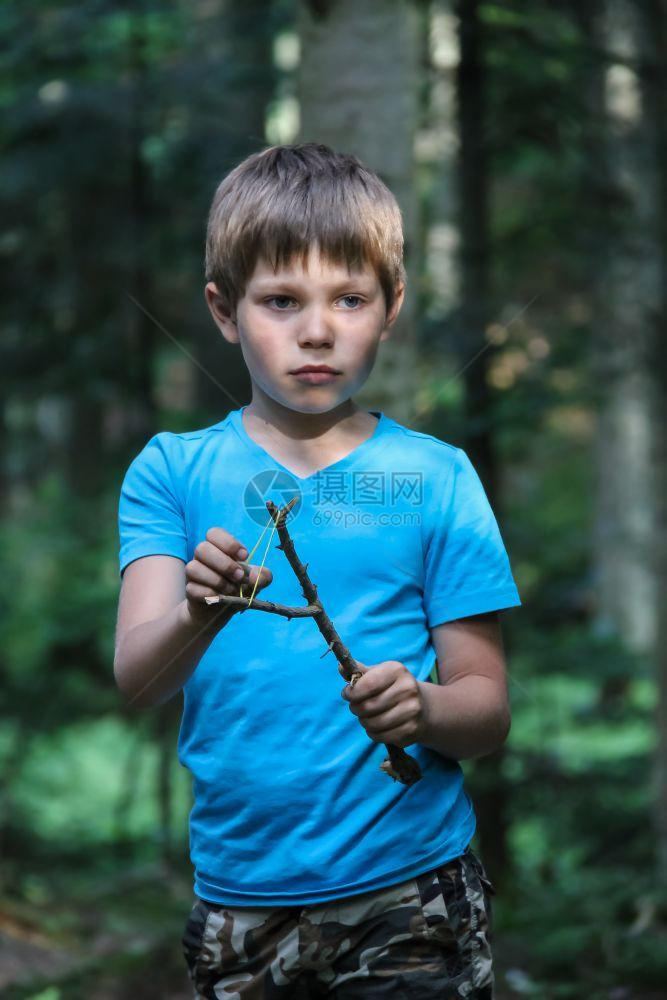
<point>280,203</point>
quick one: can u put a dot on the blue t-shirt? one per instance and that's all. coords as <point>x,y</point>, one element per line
<point>290,804</point>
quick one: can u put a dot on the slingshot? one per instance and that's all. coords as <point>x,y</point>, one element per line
<point>399,765</point>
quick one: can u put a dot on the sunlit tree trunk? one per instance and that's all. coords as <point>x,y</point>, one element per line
<point>631,352</point>
<point>627,291</point>
<point>358,93</point>
<point>437,163</point>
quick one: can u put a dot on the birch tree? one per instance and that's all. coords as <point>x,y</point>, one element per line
<point>626,306</point>
<point>358,93</point>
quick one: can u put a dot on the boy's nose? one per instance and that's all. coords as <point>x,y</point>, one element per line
<point>316,327</point>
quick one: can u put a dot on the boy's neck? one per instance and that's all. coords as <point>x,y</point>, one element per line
<point>305,426</point>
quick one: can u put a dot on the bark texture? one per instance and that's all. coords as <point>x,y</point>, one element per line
<point>627,283</point>
<point>358,93</point>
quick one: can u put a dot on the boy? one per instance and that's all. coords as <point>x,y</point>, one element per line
<point>315,874</point>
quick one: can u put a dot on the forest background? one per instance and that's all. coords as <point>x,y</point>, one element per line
<point>527,144</point>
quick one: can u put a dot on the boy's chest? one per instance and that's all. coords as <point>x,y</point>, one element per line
<point>354,533</point>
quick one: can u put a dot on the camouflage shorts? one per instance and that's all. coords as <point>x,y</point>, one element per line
<point>426,938</point>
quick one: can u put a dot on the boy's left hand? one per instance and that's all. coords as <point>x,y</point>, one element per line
<point>388,701</point>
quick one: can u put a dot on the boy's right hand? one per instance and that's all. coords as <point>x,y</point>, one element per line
<point>212,572</point>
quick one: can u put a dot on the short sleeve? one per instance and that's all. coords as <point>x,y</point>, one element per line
<point>467,570</point>
<point>150,518</point>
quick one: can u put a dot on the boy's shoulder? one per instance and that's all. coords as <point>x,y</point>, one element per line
<point>169,442</point>
<point>419,447</point>
<point>169,455</point>
<point>195,435</point>
<point>421,438</point>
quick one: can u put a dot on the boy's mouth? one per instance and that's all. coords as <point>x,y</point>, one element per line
<point>316,378</point>
<point>316,374</point>
<point>315,368</point>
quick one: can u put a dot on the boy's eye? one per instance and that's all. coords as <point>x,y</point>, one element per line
<point>280,302</point>
<point>351,301</point>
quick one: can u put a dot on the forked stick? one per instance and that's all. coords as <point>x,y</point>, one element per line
<point>399,765</point>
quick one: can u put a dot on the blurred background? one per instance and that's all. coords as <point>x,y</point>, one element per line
<point>527,144</point>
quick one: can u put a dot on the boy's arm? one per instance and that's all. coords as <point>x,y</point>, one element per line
<point>158,644</point>
<point>466,715</point>
<point>164,626</point>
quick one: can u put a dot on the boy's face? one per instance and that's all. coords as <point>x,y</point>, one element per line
<point>318,314</point>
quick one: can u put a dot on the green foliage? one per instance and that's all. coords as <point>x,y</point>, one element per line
<point>116,124</point>
<point>60,594</point>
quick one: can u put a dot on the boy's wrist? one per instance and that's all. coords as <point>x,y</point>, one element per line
<point>424,733</point>
<point>460,721</point>
<point>210,617</point>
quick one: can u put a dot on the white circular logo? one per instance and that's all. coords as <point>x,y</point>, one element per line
<point>272,484</point>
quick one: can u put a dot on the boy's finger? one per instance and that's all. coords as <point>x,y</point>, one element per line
<point>248,582</point>
<point>370,684</point>
<point>369,708</point>
<point>213,568</point>
<point>220,562</point>
<point>226,542</point>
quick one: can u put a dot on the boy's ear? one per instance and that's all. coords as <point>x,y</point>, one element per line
<point>393,312</point>
<point>224,320</point>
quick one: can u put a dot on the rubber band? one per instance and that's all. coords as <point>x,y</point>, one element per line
<point>266,552</point>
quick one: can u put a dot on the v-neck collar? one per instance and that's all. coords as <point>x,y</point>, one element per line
<point>236,417</point>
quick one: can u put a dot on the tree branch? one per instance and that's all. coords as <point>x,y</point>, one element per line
<point>304,611</point>
<point>400,766</point>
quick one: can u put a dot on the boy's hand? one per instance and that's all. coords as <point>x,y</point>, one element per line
<point>212,572</point>
<point>388,701</point>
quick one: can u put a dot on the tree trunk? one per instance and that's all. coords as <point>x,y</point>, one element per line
<point>491,790</point>
<point>630,169</point>
<point>437,158</point>
<point>627,291</point>
<point>358,94</point>
<point>234,78</point>
<point>655,13</point>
